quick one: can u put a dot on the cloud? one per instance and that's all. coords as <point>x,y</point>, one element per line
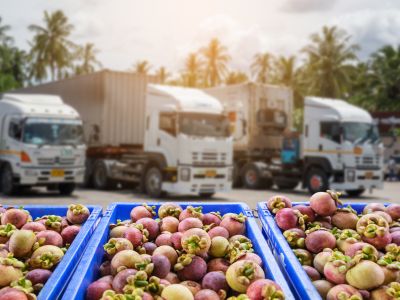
<point>371,29</point>
<point>303,6</point>
<point>242,42</point>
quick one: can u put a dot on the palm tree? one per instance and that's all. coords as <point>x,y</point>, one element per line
<point>142,67</point>
<point>192,71</point>
<point>216,58</point>
<point>51,47</point>
<point>261,66</point>
<point>87,54</point>
<point>4,38</point>
<point>162,74</point>
<point>329,62</point>
<point>236,77</point>
<point>285,71</point>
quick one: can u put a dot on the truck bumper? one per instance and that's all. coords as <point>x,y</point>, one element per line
<point>43,176</point>
<point>361,179</point>
<point>200,183</point>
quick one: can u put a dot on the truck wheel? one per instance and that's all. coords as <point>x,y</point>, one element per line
<point>66,189</point>
<point>7,184</point>
<point>317,181</point>
<point>355,193</point>
<point>251,177</point>
<point>206,195</point>
<point>153,182</point>
<point>100,176</point>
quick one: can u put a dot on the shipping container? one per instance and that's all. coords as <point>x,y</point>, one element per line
<point>112,105</point>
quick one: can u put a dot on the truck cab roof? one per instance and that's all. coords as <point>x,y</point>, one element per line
<point>187,99</point>
<point>339,109</point>
<point>38,104</point>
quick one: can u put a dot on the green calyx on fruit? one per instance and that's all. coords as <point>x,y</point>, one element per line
<point>294,239</point>
<point>139,280</point>
<point>154,287</point>
<point>277,204</point>
<point>345,296</point>
<point>207,228</point>
<point>145,265</point>
<point>245,273</point>
<point>340,261</point>
<point>196,212</point>
<point>349,235</point>
<point>238,248</point>
<point>143,230</point>
<point>348,208</point>
<point>151,209</point>
<point>240,297</point>
<point>217,214</point>
<point>46,260</point>
<point>372,225</point>
<point>7,230</point>
<point>239,217</point>
<point>77,209</point>
<point>393,290</point>
<point>183,261</point>
<point>11,261</point>
<point>391,259</point>
<point>111,247</point>
<point>335,196</point>
<point>22,284</point>
<point>53,221</point>
<point>367,253</point>
<point>194,243</point>
<point>272,293</point>
<point>112,295</point>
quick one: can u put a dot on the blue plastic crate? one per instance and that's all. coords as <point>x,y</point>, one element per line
<point>299,281</point>
<point>58,281</point>
<point>94,253</point>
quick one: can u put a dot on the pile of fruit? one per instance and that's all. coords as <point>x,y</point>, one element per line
<point>184,254</point>
<point>31,249</point>
<point>346,255</point>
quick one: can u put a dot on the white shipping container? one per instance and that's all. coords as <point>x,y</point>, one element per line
<point>112,101</point>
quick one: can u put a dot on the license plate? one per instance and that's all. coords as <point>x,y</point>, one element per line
<point>369,175</point>
<point>57,173</point>
<point>211,173</point>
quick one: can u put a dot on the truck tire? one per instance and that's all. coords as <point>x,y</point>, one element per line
<point>153,182</point>
<point>100,178</point>
<point>251,177</point>
<point>66,189</point>
<point>317,181</point>
<point>7,185</point>
<point>355,193</point>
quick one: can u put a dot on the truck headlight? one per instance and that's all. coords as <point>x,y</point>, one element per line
<point>230,174</point>
<point>351,175</point>
<point>185,174</point>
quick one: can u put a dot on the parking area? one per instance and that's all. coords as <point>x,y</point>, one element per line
<point>390,193</point>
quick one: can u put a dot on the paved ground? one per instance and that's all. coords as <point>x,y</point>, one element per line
<point>390,193</point>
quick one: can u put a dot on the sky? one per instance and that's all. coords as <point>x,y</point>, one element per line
<point>165,31</point>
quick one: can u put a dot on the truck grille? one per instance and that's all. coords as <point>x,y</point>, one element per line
<point>208,159</point>
<point>367,162</point>
<point>51,161</point>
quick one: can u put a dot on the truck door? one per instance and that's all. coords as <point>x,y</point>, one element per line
<point>166,141</point>
<point>330,139</point>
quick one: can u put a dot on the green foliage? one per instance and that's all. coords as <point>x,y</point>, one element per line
<point>216,58</point>
<point>235,78</point>
<point>376,85</point>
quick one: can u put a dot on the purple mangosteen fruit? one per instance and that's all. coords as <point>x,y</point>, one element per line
<point>276,203</point>
<point>190,267</point>
<point>142,211</point>
<point>242,273</point>
<point>170,224</point>
<point>324,203</point>
<point>77,214</point>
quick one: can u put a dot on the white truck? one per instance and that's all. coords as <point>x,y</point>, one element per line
<point>41,143</point>
<point>341,148</point>
<point>164,139</point>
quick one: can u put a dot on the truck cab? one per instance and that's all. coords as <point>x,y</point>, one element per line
<point>341,147</point>
<point>188,136</point>
<point>41,143</point>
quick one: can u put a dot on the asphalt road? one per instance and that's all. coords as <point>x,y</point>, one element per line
<point>390,193</point>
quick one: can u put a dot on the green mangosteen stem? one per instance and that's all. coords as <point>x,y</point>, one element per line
<point>195,211</point>
<point>146,266</point>
<point>111,246</point>
<point>77,209</point>
<point>155,287</point>
<point>150,208</point>
<point>239,217</point>
<point>194,243</point>
<point>245,273</point>
<point>23,284</point>
<point>277,204</point>
<point>183,261</point>
<point>394,290</point>
<point>335,196</point>
<point>216,213</point>
<point>270,292</point>
<point>139,280</point>
<point>7,230</point>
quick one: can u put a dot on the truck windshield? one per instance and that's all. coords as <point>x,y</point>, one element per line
<point>52,132</point>
<point>204,125</point>
<point>359,133</point>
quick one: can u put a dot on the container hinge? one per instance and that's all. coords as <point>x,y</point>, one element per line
<point>248,213</point>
